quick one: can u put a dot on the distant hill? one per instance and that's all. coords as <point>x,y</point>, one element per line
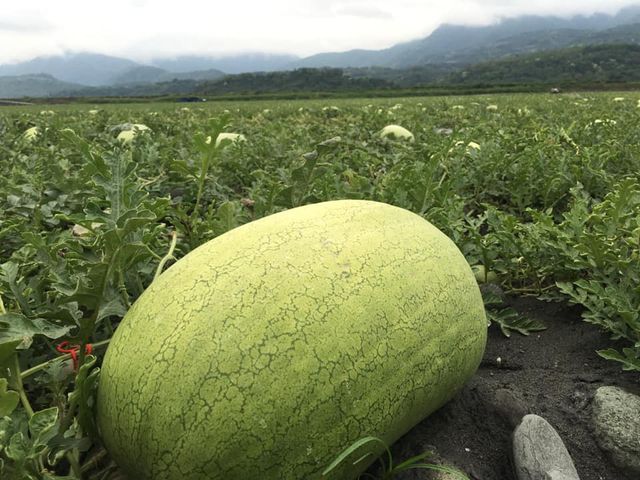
<point>149,74</point>
<point>438,58</point>
<point>545,40</point>
<point>607,63</point>
<point>40,85</point>
<point>137,74</point>
<point>589,64</point>
<point>82,68</point>
<point>96,70</point>
<point>300,80</point>
<point>464,44</point>
<point>408,77</point>
<point>586,65</point>
<point>242,63</point>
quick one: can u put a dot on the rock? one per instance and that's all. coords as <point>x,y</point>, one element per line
<point>539,453</point>
<point>556,475</point>
<point>616,415</point>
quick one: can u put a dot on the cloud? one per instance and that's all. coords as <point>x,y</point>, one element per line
<point>481,11</point>
<point>143,28</point>
<point>363,11</point>
<point>25,25</point>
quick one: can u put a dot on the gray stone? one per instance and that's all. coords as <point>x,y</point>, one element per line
<point>556,475</point>
<point>616,415</point>
<point>539,453</point>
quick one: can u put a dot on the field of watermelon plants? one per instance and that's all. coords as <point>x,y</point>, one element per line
<point>540,193</point>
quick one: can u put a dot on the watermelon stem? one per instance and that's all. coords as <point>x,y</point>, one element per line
<point>19,387</point>
<point>61,358</point>
<point>168,256</point>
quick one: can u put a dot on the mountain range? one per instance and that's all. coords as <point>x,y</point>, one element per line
<point>93,69</point>
<point>465,44</point>
<point>448,47</point>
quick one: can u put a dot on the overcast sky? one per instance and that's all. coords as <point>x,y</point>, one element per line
<point>142,29</point>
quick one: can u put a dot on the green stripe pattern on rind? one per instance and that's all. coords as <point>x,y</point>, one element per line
<point>266,351</point>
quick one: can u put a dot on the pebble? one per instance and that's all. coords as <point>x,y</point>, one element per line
<point>539,452</point>
<point>616,418</point>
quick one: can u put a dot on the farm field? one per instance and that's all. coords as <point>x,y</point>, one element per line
<point>541,193</point>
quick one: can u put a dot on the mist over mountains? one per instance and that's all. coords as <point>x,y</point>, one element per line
<point>249,62</point>
<point>451,45</point>
<point>94,69</point>
<point>464,44</point>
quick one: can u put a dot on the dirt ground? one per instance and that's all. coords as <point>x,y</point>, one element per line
<point>553,373</point>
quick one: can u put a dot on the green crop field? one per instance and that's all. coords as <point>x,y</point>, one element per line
<point>541,193</point>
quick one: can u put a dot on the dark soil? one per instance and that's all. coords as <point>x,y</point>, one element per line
<point>553,373</point>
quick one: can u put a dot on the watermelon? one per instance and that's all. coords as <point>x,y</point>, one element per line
<point>397,132</point>
<point>232,137</point>
<point>265,352</point>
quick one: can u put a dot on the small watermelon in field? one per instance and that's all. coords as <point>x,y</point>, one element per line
<point>228,137</point>
<point>483,275</point>
<point>30,134</point>
<point>265,352</point>
<point>127,135</point>
<point>397,132</point>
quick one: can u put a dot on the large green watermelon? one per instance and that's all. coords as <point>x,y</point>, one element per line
<point>268,350</point>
